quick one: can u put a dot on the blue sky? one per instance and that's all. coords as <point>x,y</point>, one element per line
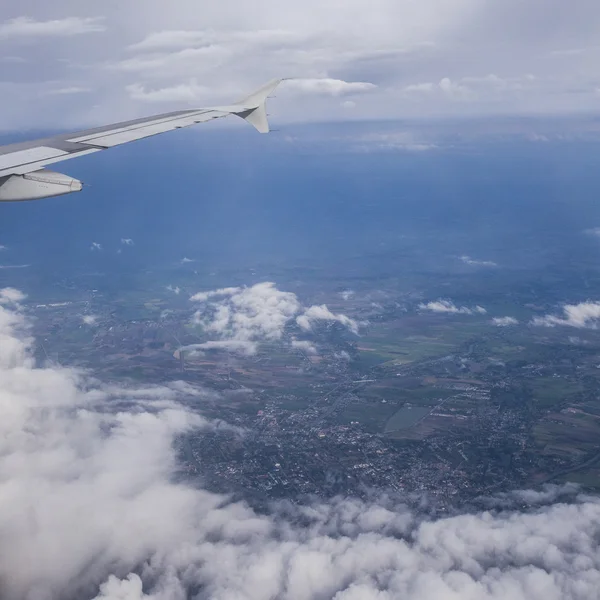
<point>76,62</point>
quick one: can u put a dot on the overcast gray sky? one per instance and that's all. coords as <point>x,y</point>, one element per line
<point>72,62</point>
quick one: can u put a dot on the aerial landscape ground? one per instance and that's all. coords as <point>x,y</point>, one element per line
<point>458,376</point>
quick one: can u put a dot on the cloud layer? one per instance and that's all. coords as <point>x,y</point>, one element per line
<point>89,509</point>
<point>448,57</point>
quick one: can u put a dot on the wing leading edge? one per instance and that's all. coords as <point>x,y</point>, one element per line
<point>22,172</point>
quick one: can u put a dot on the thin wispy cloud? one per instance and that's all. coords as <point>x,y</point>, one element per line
<point>448,307</point>
<point>473,262</point>
<point>32,29</point>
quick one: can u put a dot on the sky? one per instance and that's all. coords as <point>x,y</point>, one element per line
<point>76,62</point>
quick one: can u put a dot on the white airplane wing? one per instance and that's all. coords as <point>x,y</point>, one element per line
<point>23,175</point>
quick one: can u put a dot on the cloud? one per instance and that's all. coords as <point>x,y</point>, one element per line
<point>304,346</point>
<point>11,296</point>
<point>183,92</point>
<point>258,313</point>
<point>420,88</point>
<point>127,241</point>
<point>99,488</point>
<point>96,246</point>
<point>68,90</point>
<point>176,290</point>
<point>26,27</point>
<point>392,140</point>
<point>504,321</point>
<point>328,86</point>
<point>184,39</point>
<point>315,314</point>
<point>583,315</point>
<point>186,260</point>
<point>347,294</point>
<point>446,306</point>
<point>477,263</point>
<point>89,319</point>
<point>448,59</point>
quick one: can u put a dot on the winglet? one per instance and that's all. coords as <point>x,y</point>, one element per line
<point>253,108</point>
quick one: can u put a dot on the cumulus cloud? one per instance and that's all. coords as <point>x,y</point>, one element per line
<point>97,488</point>
<point>11,296</point>
<point>185,260</point>
<point>89,319</point>
<point>176,290</point>
<point>258,313</point>
<point>504,321</point>
<point>477,263</point>
<point>26,27</point>
<point>127,241</point>
<point>314,314</point>
<point>447,306</point>
<point>582,315</point>
<point>304,346</point>
<point>328,86</point>
<point>96,246</point>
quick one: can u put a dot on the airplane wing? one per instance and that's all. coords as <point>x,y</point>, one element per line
<point>23,175</point>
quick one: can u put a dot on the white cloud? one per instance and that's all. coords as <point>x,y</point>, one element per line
<point>392,141</point>
<point>26,27</point>
<point>347,294</point>
<point>304,346</point>
<point>99,489</point>
<point>89,319</point>
<point>247,314</point>
<point>184,92</point>
<point>66,91</point>
<point>328,86</point>
<point>447,306</point>
<point>583,315</point>
<point>96,246</point>
<point>186,260</point>
<point>127,241</point>
<point>504,321</point>
<point>176,290</point>
<point>11,296</point>
<point>314,314</point>
<point>203,296</point>
<point>477,263</point>
<point>258,313</point>
<point>14,266</point>
<point>448,51</point>
<point>420,88</point>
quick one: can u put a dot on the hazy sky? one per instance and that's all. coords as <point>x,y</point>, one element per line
<point>72,62</point>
